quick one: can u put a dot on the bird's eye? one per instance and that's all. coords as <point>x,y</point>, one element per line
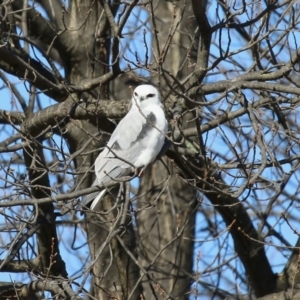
<point>150,95</point>
<point>135,94</point>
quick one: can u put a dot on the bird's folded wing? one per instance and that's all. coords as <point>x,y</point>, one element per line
<point>128,141</point>
<point>134,127</point>
<point>126,144</point>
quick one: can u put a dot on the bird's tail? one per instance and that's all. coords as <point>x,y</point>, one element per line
<point>98,198</point>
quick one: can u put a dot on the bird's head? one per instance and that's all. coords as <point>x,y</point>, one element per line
<point>145,94</point>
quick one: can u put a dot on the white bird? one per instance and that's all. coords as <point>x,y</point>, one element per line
<point>134,144</point>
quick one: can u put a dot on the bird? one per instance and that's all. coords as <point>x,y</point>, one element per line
<point>135,142</point>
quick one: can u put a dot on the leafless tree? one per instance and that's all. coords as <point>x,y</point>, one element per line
<point>219,217</point>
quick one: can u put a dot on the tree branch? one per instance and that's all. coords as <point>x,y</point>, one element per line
<point>27,291</point>
<point>24,265</point>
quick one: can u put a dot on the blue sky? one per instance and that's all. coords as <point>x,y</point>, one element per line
<point>206,248</point>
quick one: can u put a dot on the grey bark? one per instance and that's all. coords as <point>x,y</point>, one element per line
<point>166,230</point>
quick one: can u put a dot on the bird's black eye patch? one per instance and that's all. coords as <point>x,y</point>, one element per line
<point>150,95</point>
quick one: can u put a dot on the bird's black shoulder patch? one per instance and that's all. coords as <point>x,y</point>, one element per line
<point>116,146</point>
<point>148,126</point>
<point>151,117</point>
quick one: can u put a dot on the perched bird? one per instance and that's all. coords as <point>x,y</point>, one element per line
<point>134,144</point>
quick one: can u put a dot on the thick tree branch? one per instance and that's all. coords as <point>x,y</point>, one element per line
<point>54,11</point>
<point>291,294</point>
<point>18,266</point>
<point>19,64</point>
<point>27,291</point>
<point>234,85</point>
<point>199,8</point>
<point>46,32</point>
<point>37,25</point>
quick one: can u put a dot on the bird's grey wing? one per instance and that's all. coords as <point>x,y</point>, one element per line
<point>128,129</point>
<point>107,166</point>
<point>125,145</point>
<point>128,140</point>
